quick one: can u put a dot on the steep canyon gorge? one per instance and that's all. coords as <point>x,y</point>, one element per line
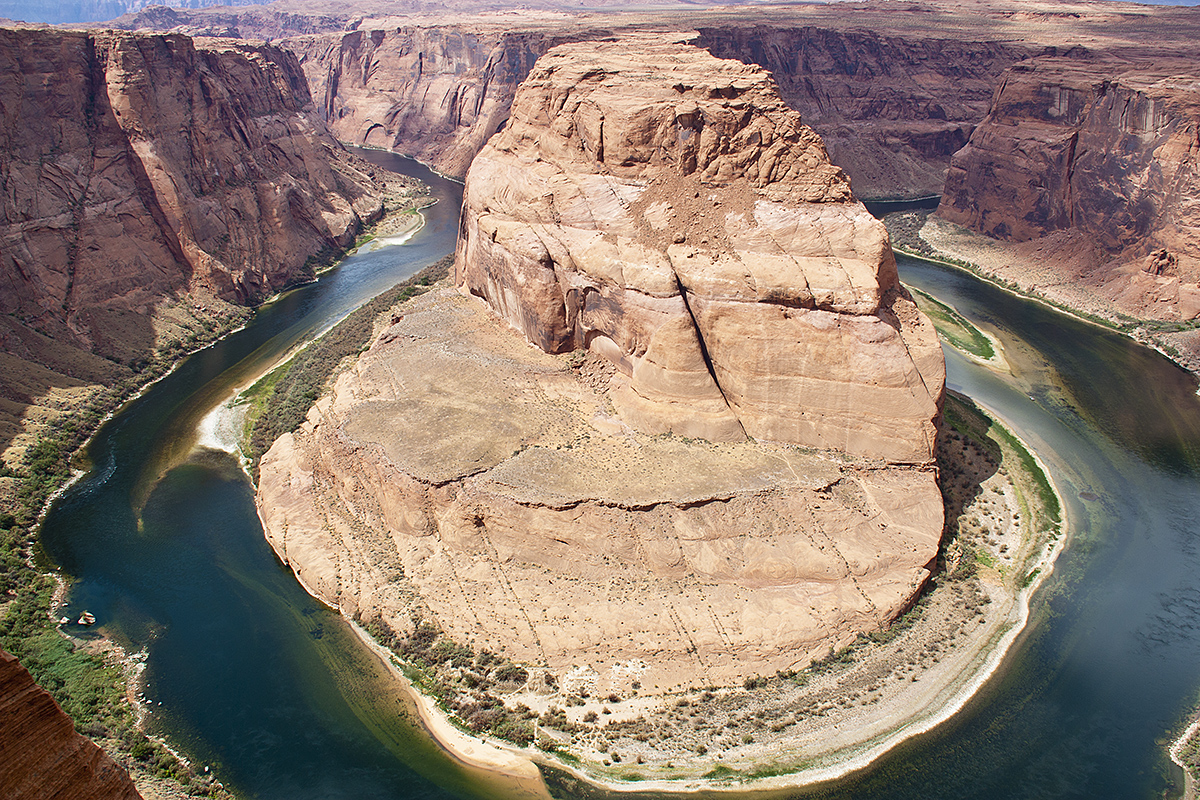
<point>154,185</point>
<point>655,221</point>
<point>894,91</point>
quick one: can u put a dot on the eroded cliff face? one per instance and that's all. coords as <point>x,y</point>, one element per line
<point>1105,153</point>
<point>891,109</point>
<point>435,94</point>
<point>44,758</point>
<point>457,475</point>
<point>151,183</point>
<point>666,210</point>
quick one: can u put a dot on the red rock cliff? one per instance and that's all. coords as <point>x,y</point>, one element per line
<point>436,94</point>
<point>891,109</point>
<point>140,167</point>
<point>665,209</point>
<point>43,757</point>
<point>150,183</point>
<point>1109,150</point>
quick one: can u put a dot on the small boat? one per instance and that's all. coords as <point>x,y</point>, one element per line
<point>63,620</point>
<point>87,618</point>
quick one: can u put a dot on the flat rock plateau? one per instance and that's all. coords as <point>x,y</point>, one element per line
<point>459,473</point>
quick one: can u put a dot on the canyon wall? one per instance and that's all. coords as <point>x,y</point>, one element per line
<point>891,109</point>
<point>436,94</point>
<point>44,758</point>
<point>666,210</point>
<point>1104,155</point>
<point>151,185</point>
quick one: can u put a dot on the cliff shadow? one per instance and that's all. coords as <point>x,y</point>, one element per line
<point>44,379</point>
<point>966,458</point>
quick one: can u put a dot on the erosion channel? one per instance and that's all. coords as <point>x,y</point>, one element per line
<point>258,680</point>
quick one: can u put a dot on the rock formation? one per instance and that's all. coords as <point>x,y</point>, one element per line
<point>151,182</point>
<point>44,758</point>
<point>1105,154</point>
<point>666,210</point>
<point>436,94</point>
<point>459,475</point>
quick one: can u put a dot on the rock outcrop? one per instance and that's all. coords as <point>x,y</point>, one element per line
<point>151,183</point>
<point>1103,153</point>
<point>44,758</point>
<point>665,209</point>
<point>456,474</point>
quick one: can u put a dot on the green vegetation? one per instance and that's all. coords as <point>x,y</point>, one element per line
<point>280,401</point>
<point>965,417</point>
<point>460,679</point>
<point>88,687</point>
<point>954,327</point>
<point>1122,323</point>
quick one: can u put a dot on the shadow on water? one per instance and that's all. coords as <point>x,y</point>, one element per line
<point>257,678</point>
<point>1082,704</point>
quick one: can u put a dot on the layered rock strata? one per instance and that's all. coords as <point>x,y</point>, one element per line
<point>44,758</point>
<point>461,476</point>
<point>891,106</point>
<point>1100,158</point>
<point>666,210</point>
<point>436,94</point>
<point>150,184</point>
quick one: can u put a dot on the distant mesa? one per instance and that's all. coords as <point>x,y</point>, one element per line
<point>666,210</point>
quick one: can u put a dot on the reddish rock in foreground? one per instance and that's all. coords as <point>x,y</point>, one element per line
<point>43,757</point>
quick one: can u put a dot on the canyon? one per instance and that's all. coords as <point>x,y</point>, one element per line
<point>205,178</point>
<point>1090,166</point>
<point>894,90</point>
<point>155,186</point>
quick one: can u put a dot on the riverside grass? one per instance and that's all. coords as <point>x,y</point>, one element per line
<point>280,400</point>
<point>88,686</point>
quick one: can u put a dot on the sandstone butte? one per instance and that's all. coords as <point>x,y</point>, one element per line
<point>44,757</point>
<point>666,210</point>
<point>736,477</point>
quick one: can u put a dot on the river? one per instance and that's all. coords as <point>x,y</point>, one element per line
<point>248,674</point>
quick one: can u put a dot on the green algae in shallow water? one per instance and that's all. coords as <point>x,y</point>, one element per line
<point>954,327</point>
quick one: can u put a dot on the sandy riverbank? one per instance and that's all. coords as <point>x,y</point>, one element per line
<point>1049,271</point>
